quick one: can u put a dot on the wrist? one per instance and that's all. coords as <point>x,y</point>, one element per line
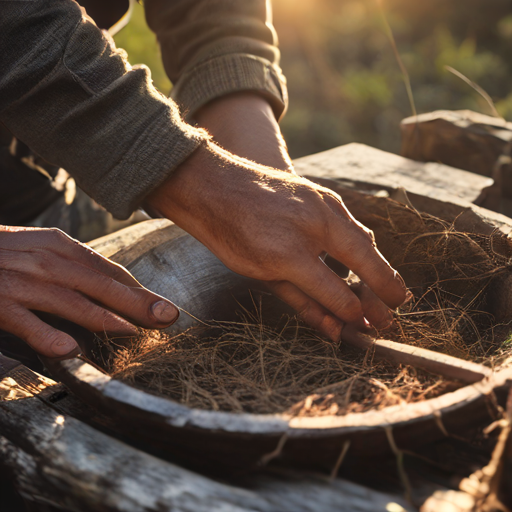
<point>244,124</point>
<point>205,183</point>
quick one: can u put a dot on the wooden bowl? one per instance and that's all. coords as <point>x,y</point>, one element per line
<point>172,263</point>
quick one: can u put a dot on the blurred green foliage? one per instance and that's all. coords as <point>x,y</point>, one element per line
<point>344,82</point>
<point>142,48</point>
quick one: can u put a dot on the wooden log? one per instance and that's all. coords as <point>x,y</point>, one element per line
<point>60,461</point>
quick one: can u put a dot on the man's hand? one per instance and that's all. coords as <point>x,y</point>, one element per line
<point>276,227</point>
<point>45,270</point>
<point>244,124</point>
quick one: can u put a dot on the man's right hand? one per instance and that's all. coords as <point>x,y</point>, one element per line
<point>276,226</point>
<point>46,270</point>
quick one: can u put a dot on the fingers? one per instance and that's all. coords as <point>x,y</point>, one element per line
<point>45,243</point>
<point>374,310</point>
<point>73,306</point>
<point>308,309</point>
<point>40,336</point>
<point>321,284</point>
<point>96,261</point>
<point>45,270</point>
<point>136,303</point>
<point>69,248</point>
<point>352,244</point>
<point>140,305</point>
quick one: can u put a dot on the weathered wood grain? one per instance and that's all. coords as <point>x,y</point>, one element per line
<point>58,460</point>
<point>360,163</point>
<point>61,460</point>
<point>434,362</point>
<point>168,261</point>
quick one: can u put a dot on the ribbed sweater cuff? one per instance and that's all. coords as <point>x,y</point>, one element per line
<point>228,74</point>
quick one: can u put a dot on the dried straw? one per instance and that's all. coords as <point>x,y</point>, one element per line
<point>252,368</point>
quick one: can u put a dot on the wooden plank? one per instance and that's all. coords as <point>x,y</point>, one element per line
<point>17,381</point>
<point>126,237</point>
<point>360,163</point>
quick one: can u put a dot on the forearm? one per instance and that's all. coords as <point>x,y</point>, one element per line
<point>244,124</point>
<point>74,99</point>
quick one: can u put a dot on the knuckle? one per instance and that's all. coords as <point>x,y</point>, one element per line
<point>56,235</point>
<point>304,309</point>
<point>111,286</point>
<point>364,246</point>
<point>102,320</point>
<point>140,296</point>
<point>45,262</point>
<point>9,310</point>
<point>74,301</point>
<point>41,337</point>
<point>334,202</point>
<point>351,308</point>
<point>7,282</point>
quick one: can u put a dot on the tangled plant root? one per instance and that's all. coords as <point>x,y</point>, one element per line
<point>454,277</point>
<point>249,367</point>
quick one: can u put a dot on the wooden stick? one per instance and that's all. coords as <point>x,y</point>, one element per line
<point>434,362</point>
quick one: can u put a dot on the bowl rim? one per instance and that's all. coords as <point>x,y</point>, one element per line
<point>81,378</point>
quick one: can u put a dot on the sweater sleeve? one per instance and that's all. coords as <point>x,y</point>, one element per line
<point>211,48</point>
<point>69,94</point>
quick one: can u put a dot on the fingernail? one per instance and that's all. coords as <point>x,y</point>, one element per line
<point>332,328</point>
<point>65,348</point>
<point>165,312</point>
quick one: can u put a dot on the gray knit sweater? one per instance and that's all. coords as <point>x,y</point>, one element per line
<point>69,94</point>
